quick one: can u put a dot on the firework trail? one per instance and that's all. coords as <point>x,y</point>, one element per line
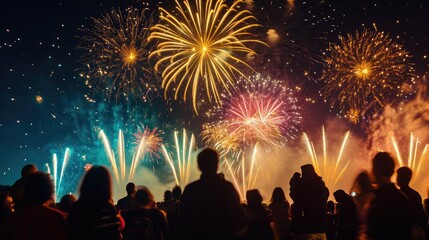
<point>115,54</point>
<point>242,177</point>
<point>262,111</point>
<point>331,169</point>
<point>201,47</point>
<point>415,157</point>
<point>146,144</point>
<point>180,163</point>
<point>364,72</point>
<point>57,183</point>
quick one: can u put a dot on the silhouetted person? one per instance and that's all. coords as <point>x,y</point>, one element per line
<point>144,221</point>
<point>331,229</point>
<point>403,179</point>
<point>347,216</point>
<point>426,209</point>
<point>35,220</point>
<point>168,204</point>
<point>93,215</point>
<point>173,215</point>
<point>309,195</point>
<point>125,202</point>
<point>210,207</point>
<point>66,203</point>
<point>17,189</point>
<point>389,212</point>
<point>6,205</point>
<point>280,208</point>
<point>259,217</point>
<point>364,196</point>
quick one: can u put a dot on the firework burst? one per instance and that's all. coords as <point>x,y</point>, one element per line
<point>151,139</point>
<point>201,46</point>
<point>364,72</point>
<point>262,111</point>
<point>115,54</point>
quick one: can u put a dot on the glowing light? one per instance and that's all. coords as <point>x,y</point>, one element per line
<point>242,177</point>
<point>330,168</point>
<point>144,146</point>
<point>200,44</point>
<point>262,111</point>
<point>364,72</point>
<point>152,140</point>
<point>180,164</point>
<point>115,55</point>
<point>39,99</point>
<point>415,157</point>
<point>57,182</point>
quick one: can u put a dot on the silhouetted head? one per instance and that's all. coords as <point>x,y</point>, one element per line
<point>253,197</point>
<point>308,171</point>
<point>39,188</point>
<point>66,202</point>
<point>363,182</point>
<point>340,195</point>
<point>177,192</point>
<point>96,186</point>
<point>403,177</point>
<point>168,195</point>
<point>27,170</point>
<point>131,189</point>
<point>278,195</point>
<point>143,198</point>
<point>383,166</point>
<point>208,160</point>
<point>330,206</point>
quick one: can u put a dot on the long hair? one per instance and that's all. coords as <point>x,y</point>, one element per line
<point>278,195</point>
<point>96,186</point>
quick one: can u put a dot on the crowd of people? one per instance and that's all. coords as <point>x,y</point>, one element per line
<point>210,208</point>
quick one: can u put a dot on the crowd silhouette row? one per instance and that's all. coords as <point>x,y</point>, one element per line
<point>210,208</point>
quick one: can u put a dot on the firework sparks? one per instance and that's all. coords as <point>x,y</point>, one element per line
<point>54,173</point>
<point>153,140</point>
<point>262,111</point>
<point>200,46</point>
<point>365,72</point>
<point>330,168</point>
<point>115,54</point>
<point>181,164</point>
<point>144,146</point>
<point>416,155</point>
<point>242,177</point>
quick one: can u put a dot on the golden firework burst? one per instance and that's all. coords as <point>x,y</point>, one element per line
<point>365,71</point>
<point>201,46</point>
<point>115,54</point>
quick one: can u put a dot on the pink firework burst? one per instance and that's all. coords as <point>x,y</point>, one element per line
<point>151,139</point>
<point>261,111</point>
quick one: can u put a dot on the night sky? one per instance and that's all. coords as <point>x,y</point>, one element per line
<point>39,58</point>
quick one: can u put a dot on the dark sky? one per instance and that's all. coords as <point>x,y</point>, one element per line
<point>38,57</point>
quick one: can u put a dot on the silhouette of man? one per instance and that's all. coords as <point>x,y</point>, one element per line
<point>309,195</point>
<point>17,189</point>
<point>125,202</point>
<point>210,207</point>
<point>403,179</point>
<point>389,212</point>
